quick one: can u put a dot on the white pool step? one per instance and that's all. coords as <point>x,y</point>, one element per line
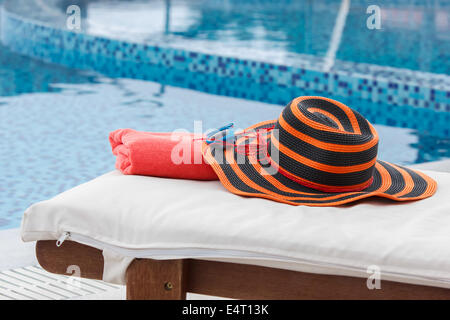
<point>34,283</point>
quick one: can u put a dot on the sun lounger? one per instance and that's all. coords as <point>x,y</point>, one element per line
<point>165,237</point>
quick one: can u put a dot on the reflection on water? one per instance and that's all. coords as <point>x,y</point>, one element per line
<point>413,35</point>
<point>20,75</point>
<point>431,148</point>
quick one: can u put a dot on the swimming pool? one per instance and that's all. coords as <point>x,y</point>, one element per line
<point>55,119</point>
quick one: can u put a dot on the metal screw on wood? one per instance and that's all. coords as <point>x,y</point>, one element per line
<point>168,286</point>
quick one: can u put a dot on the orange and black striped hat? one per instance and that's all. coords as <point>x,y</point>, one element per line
<point>319,152</point>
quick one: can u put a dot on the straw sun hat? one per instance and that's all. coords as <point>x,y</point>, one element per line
<point>319,152</point>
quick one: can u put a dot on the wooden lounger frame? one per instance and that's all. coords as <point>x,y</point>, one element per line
<point>171,279</point>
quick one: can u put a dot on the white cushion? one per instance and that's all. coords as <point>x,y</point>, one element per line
<point>136,216</point>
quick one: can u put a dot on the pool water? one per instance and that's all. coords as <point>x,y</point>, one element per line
<point>55,124</point>
<point>413,34</point>
<point>54,121</point>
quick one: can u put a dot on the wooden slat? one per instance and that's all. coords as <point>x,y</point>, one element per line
<point>254,282</point>
<point>156,280</point>
<point>57,259</point>
<point>146,278</point>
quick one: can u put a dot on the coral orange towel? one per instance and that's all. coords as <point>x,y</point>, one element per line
<point>171,155</point>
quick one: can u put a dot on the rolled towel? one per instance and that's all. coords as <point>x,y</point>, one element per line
<point>171,155</point>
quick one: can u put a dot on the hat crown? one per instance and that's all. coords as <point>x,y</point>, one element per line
<point>325,145</point>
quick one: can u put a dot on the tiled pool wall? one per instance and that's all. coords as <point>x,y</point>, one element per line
<point>119,58</point>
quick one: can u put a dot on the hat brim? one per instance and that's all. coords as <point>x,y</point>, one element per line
<point>246,175</point>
